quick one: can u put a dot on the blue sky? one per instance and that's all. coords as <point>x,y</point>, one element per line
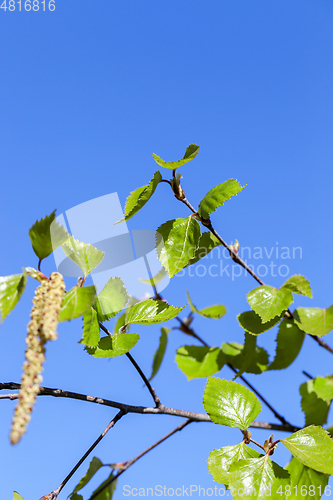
<point>88,93</point>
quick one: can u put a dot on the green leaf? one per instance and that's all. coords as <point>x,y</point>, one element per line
<point>324,388</point>
<point>314,408</point>
<point>220,461</point>
<point>17,496</point>
<point>191,152</point>
<point>91,331</point>
<point>181,239</point>
<point>94,466</point>
<point>313,447</point>
<point>119,323</point>
<point>151,312</point>
<point>252,323</point>
<point>76,302</point>
<point>200,361</point>
<point>111,299</point>
<point>236,355</point>
<point>114,345</point>
<point>254,359</point>
<point>46,235</point>
<point>11,289</point>
<point>255,477</point>
<point>217,196</point>
<point>302,477</point>
<point>108,492</point>
<point>289,341</point>
<point>207,243</point>
<point>269,302</point>
<point>229,403</point>
<point>155,279</point>
<point>138,198</point>
<point>314,321</point>
<point>159,354</point>
<point>298,284</point>
<point>86,256</point>
<point>214,312</point>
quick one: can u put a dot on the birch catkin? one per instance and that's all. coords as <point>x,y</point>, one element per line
<point>41,328</point>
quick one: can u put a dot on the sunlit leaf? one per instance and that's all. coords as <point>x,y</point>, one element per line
<point>298,284</point>
<point>159,354</point>
<point>305,482</point>
<point>91,330</point>
<point>138,198</point>
<point>252,323</point>
<point>206,244</point>
<point>289,341</point>
<point>200,361</point>
<point>11,289</point>
<point>313,447</point>
<point>108,492</point>
<point>40,236</point>
<point>119,323</point>
<point>17,496</point>
<point>215,312</point>
<point>217,196</point>
<point>94,466</point>
<point>111,299</point>
<point>254,359</point>
<point>269,302</point>
<point>155,279</point>
<point>191,152</point>
<point>114,345</point>
<point>86,256</point>
<point>76,302</point>
<point>151,312</point>
<point>236,354</point>
<point>256,477</point>
<point>229,403</point>
<point>314,321</point>
<point>316,399</point>
<point>181,239</point>
<point>220,461</point>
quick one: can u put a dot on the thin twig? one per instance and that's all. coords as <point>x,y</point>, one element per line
<point>55,493</point>
<point>138,369</point>
<point>128,464</point>
<point>162,410</point>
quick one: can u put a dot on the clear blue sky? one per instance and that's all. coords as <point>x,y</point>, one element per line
<point>88,93</point>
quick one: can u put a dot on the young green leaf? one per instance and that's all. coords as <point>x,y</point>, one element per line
<point>200,361</point>
<point>206,244</point>
<point>151,312</point>
<point>114,345</point>
<point>111,299</point>
<point>269,302</point>
<point>314,321</point>
<point>91,330</point>
<point>138,198</point>
<point>11,289</point>
<point>46,235</point>
<point>17,496</point>
<point>119,323</point>
<point>255,478</point>
<point>298,284</point>
<point>191,152</point>
<point>181,239</point>
<point>289,341</point>
<point>108,492</point>
<point>313,447</point>
<point>76,302</point>
<point>315,409</point>
<point>305,482</point>
<point>324,388</point>
<point>86,256</point>
<point>217,196</point>
<point>236,356</point>
<point>254,359</point>
<point>155,279</point>
<point>94,466</point>
<point>214,312</point>
<point>252,323</point>
<point>220,461</point>
<point>229,403</point>
<point>159,354</point>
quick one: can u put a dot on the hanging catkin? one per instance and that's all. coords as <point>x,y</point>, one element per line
<point>41,328</point>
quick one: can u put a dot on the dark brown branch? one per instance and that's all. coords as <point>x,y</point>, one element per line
<point>54,494</point>
<point>162,410</point>
<point>128,464</point>
<point>138,369</point>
